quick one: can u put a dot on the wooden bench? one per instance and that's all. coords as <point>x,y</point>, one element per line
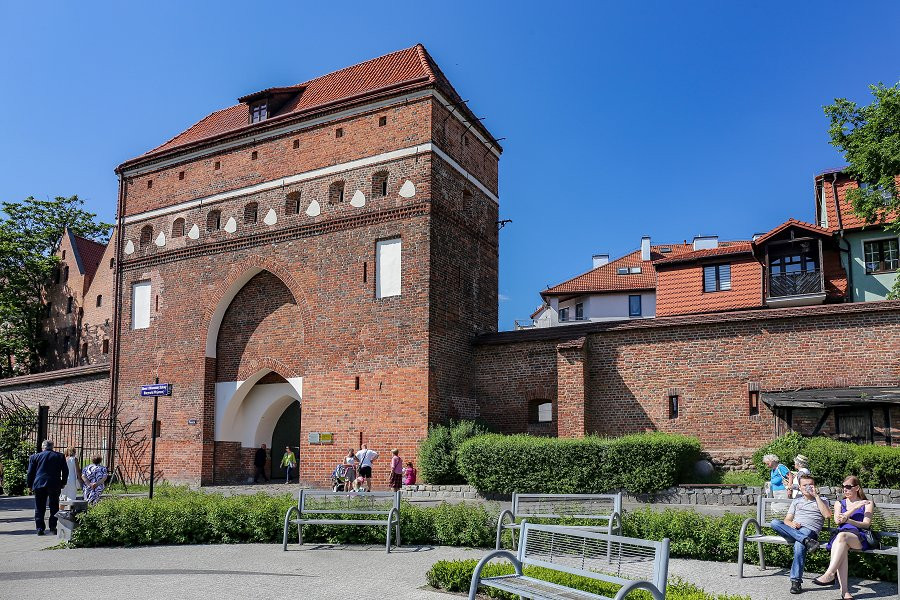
<point>604,508</point>
<point>629,562</point>
<point>313,508</point>
<point>885,520</point>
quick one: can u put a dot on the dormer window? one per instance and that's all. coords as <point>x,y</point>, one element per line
<point>259,111</point>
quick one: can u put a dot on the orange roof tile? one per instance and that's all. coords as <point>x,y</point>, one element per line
<point>723,249</point>
<point>792,223</point>
<point>607,279</point>
<point>849,220</point>
<point>404,69</point>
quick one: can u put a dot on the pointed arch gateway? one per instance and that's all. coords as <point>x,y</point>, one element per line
<point>254,364</point>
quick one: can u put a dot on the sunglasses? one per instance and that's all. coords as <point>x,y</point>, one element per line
<point>849,487</point>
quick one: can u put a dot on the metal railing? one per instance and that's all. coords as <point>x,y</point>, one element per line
<point>795,284</point>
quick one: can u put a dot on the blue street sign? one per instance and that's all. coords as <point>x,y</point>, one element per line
<point>156,389</point>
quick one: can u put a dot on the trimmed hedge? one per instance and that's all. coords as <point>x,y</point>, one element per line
<point>438,452</point>
<point>181,516</point>
<point>15,469</point>
<point>639,463</point>
<point>830,461</point>
<point>456,575</point>
<point>704,537</point>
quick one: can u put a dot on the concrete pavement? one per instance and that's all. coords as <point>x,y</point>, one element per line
<point>264,571</point>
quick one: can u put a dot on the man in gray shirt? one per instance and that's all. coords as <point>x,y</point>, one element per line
<point>801,526</point>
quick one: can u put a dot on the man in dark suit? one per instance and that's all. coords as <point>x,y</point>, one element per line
<point>47,474</point>
<point>259,462</point>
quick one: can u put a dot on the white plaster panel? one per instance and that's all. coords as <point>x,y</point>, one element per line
<point>408,189</point>
<point>129,247</point>
<point>231,225</point>
<point>388,268</point>
<point>140,305</point>
<point>314,210</point>
<point>194,233</point>
<point>160,239</point>
<point>271,217</point>
<point>358,200</point>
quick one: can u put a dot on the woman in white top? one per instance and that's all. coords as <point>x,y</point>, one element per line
<point>70,492</point>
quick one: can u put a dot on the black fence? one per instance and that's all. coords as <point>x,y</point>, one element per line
<point>87,426</point>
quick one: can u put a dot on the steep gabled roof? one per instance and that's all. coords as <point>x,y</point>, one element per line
<point>402,70</point>
<point>607,279</point>
<point>723,249</point>
<point>814,229</point>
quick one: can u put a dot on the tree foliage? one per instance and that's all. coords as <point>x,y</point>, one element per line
<point>869,138</point>
<point>30,232</point>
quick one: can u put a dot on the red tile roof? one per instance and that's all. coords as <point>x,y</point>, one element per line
<point>402,70</point>
<point>792,223</point>
<point>849,220</point>
<point>606,278</point>
<point>723,249</point>
<point>91,254</point>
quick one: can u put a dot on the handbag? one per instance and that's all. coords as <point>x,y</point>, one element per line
<point>873,538</point>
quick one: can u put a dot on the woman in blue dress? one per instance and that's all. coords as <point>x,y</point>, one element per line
<point>778,477</point>
<point>853,515</point>
<point>94,476</point>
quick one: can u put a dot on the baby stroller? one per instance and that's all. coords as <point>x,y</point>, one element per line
<point>342,478</point>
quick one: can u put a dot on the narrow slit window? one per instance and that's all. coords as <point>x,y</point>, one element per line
<point>105,346</point>
<point>214,220</point>
<point>178,228</point>
<point>292,203</point>
<point>754,402</point>
<point>379,184</point>
<point>336,192</point>
<point>382,121</point>
<point>673,406</point>
<point>99,300</point>
<point>251,212</point>
<point>180,175</point>
<point>339,132</point>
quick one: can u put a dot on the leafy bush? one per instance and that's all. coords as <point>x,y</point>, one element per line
<point>438,453</point>
<point>180,516</point>
<point>638,463</point>
<point>15,469</point>
<point>830,461</point>
<point>456,576</point>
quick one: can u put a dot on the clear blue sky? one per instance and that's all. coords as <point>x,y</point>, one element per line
<point>656,118</point>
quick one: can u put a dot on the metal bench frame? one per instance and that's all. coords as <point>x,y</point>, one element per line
<point>392,515</point>
<point>761,538</point>
<point>613,520</point>
<point>657,587</point>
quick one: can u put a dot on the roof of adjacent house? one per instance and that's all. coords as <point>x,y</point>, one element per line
<point>815,229</point>
<point>723,249</point>
<point>848,220</point>
<point>402,70</point>
<point>607,278</point>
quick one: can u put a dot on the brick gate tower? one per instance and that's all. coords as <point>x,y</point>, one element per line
<point>327,250</point>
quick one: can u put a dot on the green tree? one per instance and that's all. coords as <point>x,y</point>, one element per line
<point>30,232</point>
<point>869,138</point>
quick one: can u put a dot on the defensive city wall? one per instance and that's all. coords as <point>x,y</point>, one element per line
<point>620,377</point>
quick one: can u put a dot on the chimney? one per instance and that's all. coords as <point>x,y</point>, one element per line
<point>706,242</point>
<point>600,260</point>
<point>645,247</point>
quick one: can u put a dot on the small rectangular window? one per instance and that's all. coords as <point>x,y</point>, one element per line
<point>622,271</point>
<point>254,155</point>
<point>881,256</point>
<point>296,144</point>
<point>634,306</point>
<point>365,272</point>
<point>563,314</point>
<point>181,175</point>
<point>754,402</point>
<point>149,183</point>
<point>579,311</point>
<point>382,121</point>
<point>140,305</point>
<point>717,278</point>
<point>259,112</point>
<point>339,132</point>
<point>673,406</point>
<point>388,268</point>
<point>218,165</point>
<point>105,346</point>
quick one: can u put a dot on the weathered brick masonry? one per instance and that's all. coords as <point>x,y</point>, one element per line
<point>77,386</point>
<point>709,361</point>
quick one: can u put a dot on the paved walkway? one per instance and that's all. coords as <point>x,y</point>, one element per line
<point>264,571</point>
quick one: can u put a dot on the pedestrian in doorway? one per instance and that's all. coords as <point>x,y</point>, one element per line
<point>396,478</point>
<point>259,464</point>
<point>73,483</point>
<point>94,478</point>
<point>288,463</point>
<point>47,473</point>
<point>366,457</point>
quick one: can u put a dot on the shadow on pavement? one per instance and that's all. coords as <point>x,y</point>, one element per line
<point>52,574</point>
<point>368,548</point>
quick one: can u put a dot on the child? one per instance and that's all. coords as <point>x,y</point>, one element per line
<point>359,484</point>
<point>409,474</point>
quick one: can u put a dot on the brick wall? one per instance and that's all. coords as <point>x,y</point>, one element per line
<point>708,361</point>
<point>76,385</point>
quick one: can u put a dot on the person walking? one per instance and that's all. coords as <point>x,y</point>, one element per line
<point>288,462</point>
<point>853,514</point>
<point>47,473</point>
<point>366,457</point>
<point>778,476</point>
<point>396,479</point>
<point>73,483</point>
<point>259,464</point>
<point>94,479</point>
<point>801,527</point>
